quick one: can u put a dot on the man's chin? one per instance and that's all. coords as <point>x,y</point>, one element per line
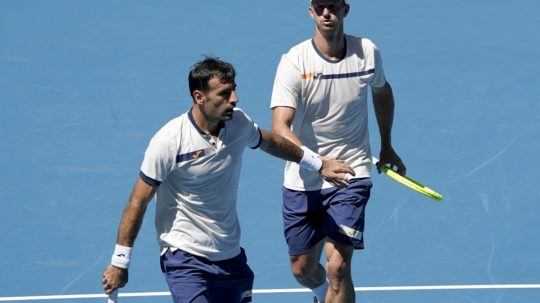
<point>227,117</point>
<point>327,27</point>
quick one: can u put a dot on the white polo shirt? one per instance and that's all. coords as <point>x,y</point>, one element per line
<point>330,99</point>
<point>198,179</point>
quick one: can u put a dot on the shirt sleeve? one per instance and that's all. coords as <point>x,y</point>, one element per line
<point>378,79</point>
<point>251,130</point>
<point>159,160</point>
<point>287,84</point>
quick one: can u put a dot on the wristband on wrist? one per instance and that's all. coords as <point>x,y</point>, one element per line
<point>121,256</point>
<point>310,160</point>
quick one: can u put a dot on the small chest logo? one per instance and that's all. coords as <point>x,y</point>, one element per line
<point>312,76</point>
<point>197,154</point>
<point>192,155</point>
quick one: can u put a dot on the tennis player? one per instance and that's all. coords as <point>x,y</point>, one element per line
<point>193,166</point>
<point>319,101</point>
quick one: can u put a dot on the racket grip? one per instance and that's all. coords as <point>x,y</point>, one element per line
<point>113,297</point>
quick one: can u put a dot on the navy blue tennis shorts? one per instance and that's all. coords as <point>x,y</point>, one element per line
<point>337,213</point>
<point>194,279</point>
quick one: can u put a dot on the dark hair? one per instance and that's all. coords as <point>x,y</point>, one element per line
<point>210,67</point>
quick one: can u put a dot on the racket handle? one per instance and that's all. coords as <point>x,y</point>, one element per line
<point>113,297</point>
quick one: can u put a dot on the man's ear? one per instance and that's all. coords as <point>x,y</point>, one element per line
<point>311,12</point>
<point>347,8</point>
<point>198,97</point>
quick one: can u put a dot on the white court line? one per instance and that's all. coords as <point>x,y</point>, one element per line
<point>285,290</point>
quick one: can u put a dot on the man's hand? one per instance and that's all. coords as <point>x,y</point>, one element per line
<point>336,172</point>
<point>113,278</point>
<point>390,158</point>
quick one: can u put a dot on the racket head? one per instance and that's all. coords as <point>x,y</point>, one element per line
<point>412,184</point>
<point>408,182</point>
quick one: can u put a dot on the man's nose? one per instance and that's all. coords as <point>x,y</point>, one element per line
<point>233,99</point>
<point>326,11</point>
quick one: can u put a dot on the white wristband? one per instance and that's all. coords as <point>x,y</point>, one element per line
<point>310,160</point>
<point>121,256</point>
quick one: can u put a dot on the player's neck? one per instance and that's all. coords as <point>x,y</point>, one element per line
<point>331,45</point>
<point>204,124</point>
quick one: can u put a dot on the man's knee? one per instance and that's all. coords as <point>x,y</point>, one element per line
<point>302,267</point>
<point>338,268</point>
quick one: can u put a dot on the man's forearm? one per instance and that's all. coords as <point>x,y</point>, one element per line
<point>280,147</point>
<point>133,214</point>
<point>130,224</point>
<point>383,101</point>
<point>286,133</point>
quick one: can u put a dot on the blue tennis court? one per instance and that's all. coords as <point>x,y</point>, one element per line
<point>85,84</point>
